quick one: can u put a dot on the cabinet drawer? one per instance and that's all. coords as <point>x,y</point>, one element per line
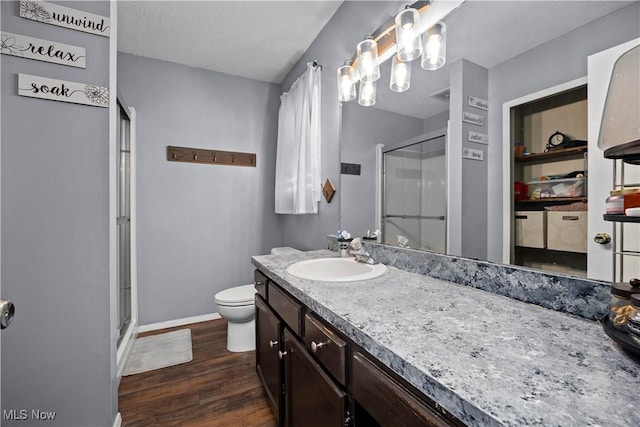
<point>530,229</point>
<point>388,402</point>
<point>287,308</point>
<point>260,281</point>
<point>325,345</point>
<point>567,231</point>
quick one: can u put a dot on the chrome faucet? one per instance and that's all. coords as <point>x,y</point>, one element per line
<point>364,257</point>
<point>359,253</point>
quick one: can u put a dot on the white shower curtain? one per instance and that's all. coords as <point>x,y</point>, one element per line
<point>298,160</point>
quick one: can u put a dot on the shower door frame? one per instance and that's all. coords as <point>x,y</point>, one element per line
<point>382,149</point>
<point>125,346</point>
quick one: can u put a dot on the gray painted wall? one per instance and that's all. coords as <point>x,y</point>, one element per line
<point>335,43</point>
<point>58,355</point>
<point>198,225</point>
<point>362,129</point>
<point>433,123</point>
<point>558,61</point>
<point>468,183</point>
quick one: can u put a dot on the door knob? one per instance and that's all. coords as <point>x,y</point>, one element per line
<point>7,310</point>
<point>273,343</point>
<point>602,238</point>
<point>281,354</point>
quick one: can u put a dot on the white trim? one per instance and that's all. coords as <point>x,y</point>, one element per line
<point>118,421</point>
<point>126,347</point>
<point>133,180</point>
<point>113,184</point>
<point>178,322</point>
<point>378,186</point>
<point>506,155</point>
<point>447,152</point>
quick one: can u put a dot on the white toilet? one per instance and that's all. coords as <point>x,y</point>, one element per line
<point>237,305</point>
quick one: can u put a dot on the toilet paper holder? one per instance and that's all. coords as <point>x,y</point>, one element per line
<point>7,311</point>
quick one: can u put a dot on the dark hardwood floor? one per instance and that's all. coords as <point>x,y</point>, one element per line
<point>217,388</point>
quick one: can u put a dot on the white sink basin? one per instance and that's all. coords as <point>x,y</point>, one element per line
<point>335,270</point>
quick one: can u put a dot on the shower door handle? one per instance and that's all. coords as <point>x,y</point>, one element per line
<point>7,311</point>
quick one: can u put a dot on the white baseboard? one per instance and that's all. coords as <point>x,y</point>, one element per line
<point>118,421</point>
<point>178,322</point>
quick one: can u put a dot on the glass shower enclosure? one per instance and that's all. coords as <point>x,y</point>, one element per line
<point>415,195</point>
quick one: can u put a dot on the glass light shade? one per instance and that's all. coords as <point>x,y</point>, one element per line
<point>408,38</point>
<point>368,67</point>
<point>400,75</point>
<point>346,83</point>
<point>434,41</point>
<point>367,95</point>
<point>620,125</point>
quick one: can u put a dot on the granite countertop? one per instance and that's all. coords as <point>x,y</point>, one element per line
<point>488,359</point>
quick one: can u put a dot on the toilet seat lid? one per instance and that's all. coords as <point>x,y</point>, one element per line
<point>239,295</point>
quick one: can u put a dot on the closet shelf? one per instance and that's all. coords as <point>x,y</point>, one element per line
<point>553,199</point>
<point>550,156</point>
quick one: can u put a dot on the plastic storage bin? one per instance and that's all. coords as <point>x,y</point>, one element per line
<point>567,187</point>
<point>531,227</point>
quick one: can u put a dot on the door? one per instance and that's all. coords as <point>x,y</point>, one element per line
<point>268,364</point>
<point>415,195</point>
<point>600,256</point>
<point>312,399</point>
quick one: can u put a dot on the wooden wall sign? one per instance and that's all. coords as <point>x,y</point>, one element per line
<point>42,50</point>
<point>475,119</point>
<point>66,17</point>
<point>472,154</point>
<point>60,90</point>
<point>480,103</point>
<point>211,157</point>
<point>328,190</point>
<point>480,138</point>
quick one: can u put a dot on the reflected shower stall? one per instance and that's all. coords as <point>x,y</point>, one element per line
<point>415,195</point>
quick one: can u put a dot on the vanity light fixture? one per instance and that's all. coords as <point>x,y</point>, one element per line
<point>367,93</point>
<point>368,67</point>
<point>415,32</point>
<point>434,41</point>
<point>408,40</point>
<point>400,75</point>
<point>346,82</point>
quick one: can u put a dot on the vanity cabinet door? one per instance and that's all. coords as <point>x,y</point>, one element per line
<point>312,399</point>
<point>268,365</point>
<point>386,401</point>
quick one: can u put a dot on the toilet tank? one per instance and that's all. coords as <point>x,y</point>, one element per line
<point>283,250</point>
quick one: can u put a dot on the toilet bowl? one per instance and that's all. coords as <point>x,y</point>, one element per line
<point>237,305</point>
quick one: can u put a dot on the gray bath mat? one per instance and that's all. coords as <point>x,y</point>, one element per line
<point>160,351</point>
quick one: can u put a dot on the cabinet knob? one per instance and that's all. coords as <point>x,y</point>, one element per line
<point>273,343</point>
<point>317,346</point>
<point>602,238</point>
<point>281,354</point>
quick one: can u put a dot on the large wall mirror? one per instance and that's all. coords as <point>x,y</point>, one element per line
<point>511,40</point>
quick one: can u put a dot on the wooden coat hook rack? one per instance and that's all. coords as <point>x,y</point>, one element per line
<point>211,157</point>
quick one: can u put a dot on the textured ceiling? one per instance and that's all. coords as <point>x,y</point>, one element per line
<point>263,40</point>
<point>260,40</point>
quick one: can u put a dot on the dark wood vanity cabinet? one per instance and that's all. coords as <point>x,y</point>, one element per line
<point>312,398</point>
<point>268,366</point>
<point>314,376</point>
<point>381,400</point>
